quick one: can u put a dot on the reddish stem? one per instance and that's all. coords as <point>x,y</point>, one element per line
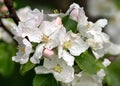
<point>9,4</point>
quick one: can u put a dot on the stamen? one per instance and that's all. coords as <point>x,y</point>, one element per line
<point>45,38</point>
<point>58,68</point>
<point>67,44</point>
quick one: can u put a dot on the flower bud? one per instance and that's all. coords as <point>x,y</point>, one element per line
<point>74,14</point>
<point>58,21</point>
<point>48,52</point>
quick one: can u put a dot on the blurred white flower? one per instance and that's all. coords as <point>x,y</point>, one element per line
<point>98,40</point>
<point>101,8</point>
<point>25,48</point>
<point>58,67</point>
<point>5,36</point>
<point>84,79</point>
<point>114,49</point>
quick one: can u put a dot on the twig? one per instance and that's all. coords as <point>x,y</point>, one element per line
<point>9,4</point>
<point>5,28</point>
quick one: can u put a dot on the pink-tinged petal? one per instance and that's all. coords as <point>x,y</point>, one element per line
<point>58,21</point>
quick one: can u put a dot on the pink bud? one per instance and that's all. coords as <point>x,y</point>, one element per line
<point>48,52</point>
<point>58,21</point>
<point>1,0</point>
<point>74,14</point>
<point>3,9</point>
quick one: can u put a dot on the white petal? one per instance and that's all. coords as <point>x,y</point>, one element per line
<point>106,62</point>
<point>101,22</point>
<point>48,28</point>
<point>36,17</point>
<point>41,70</point>
<point>22,13</point>
<point>69,59</point>
<point>78,46</point>
<point>21,58</point>
<point>51,62</point>
<point>37,55</point>
<point>60,51</point>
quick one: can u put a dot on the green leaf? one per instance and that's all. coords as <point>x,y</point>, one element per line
<point>44,80</point>
<point>113,73</point>
<point>87,62</point>
<point>117,3</point>
<point>26,67</point>
<point>6,63</point>
<point>69,24</point>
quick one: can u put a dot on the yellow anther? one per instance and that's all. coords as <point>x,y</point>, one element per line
<point>22,49</point>
<point>88,25</point>
<point>56,11</point>
<point>45,38</point>
<point>67,44</point>
<point>58,68</point>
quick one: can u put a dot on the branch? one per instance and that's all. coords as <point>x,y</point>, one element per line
<point>5,28</point>
<point>9,4</point>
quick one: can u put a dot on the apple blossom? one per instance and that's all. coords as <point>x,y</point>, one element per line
<point>58,67</point>
<point>25,48</point>
<point>73,43</point>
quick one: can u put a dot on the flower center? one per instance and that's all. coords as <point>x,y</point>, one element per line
<point>88,25</point>
<point>58,68</point>
<point>67,44</point>
<point>45,38</point>
<point>22,49</point>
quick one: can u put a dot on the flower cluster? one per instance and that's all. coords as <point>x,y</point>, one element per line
<point>44,38</point>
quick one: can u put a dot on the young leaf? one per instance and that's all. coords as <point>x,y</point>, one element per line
<point>87,62</point>
<point>44,80</point>
<point>26,67</point>
<point>69,24</point>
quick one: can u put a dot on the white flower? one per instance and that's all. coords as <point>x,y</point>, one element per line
<point>73,43</point>
<point>90,32</point>
<point>25,48</point>
<point>98,40</point>
<point>30,26</point>
<point>61,71</point>
<point>49,32</point>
